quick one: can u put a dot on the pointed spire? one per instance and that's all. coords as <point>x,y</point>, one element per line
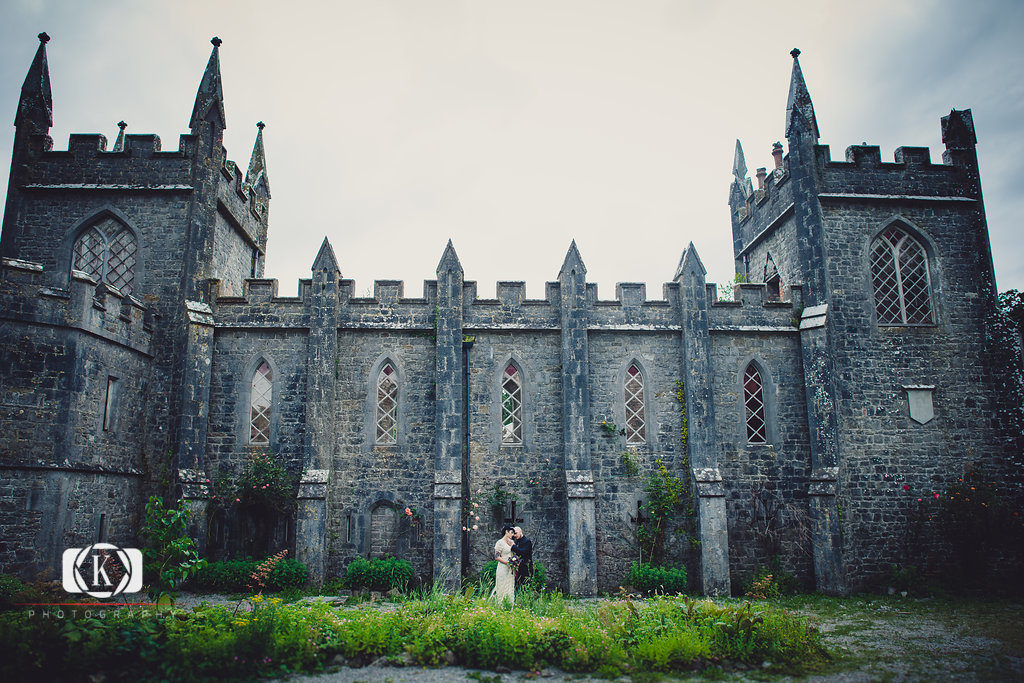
<point>325,259</point>
<point>35,108</point>
<point>210,94</point>
<point>573,262</point>
<point>690,263</point>
<point>740,180</point>
<point>739,164</point>
<point>257,172</point>
<point>449,260</point>
<point>119,144</point>
<point>799,109</point>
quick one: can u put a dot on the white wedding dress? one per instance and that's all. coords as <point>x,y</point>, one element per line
<point>504,579</point>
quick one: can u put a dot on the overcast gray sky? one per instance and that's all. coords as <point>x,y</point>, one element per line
<point>514,127</point>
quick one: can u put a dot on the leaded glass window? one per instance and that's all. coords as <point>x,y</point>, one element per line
<point>387,406</point>
<point>899,275</point>
<point>511,406</point>
<point>636,425</point>
<point>753,401</point>
<point>260,401</point>
<point>107,252</point>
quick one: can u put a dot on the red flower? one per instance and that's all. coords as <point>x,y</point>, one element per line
<point>906,487</point>
<point>936,495</point>
<point>408,512</point>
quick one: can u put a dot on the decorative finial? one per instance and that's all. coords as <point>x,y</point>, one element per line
<point>122,125</point>
<point>795,52</point>
<point>216,41</point>
<point>261,125</point>
<point>43,38</point>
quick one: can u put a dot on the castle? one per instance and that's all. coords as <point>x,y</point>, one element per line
<point>143,350</point>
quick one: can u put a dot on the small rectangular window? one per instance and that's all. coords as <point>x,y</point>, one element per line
<point>254,263</point>
<point>101,532</point>
<point>109,405</point>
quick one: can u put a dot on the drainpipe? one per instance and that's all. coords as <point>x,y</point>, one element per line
<point>467,344</point>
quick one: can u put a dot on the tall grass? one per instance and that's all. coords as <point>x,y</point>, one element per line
<point>543,629</point>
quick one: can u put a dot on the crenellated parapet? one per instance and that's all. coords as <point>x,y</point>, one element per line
<point>98,310</point>
<point>88,165</point>
<point>388,308</point>
<point>911,175</point>
<point>240,204</point>
<point>753,310</point>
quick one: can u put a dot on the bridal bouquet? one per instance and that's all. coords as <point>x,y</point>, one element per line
<point>513,562</point>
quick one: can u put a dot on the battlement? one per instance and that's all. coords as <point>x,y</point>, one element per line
<point>86,164</point>
<point>259,306</point>
<point>751,308</point>
<point>910,175</point>
<point>860,176</point>
<point>96,309</point>
<point>238,203</point>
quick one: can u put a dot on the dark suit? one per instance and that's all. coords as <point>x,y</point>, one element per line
<point>524,549</point>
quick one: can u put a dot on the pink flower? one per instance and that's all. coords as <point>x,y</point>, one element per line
<point>918,500</point>
<point>408,512</point>
<point>936,495</point>
<point>238,500</point>
<point>474,527</point>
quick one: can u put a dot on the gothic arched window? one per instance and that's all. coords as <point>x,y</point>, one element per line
<point>387,406</point>
<point>772,280</point>
<point>260,401</point>
<point>636,424</point>
<point>107,251</point>
<point>753,403</point>
<point>511,406</point>
<point>899,275</point>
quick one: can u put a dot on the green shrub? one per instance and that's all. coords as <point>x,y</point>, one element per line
<point>11,587</point>
<point>649,579</point>
<point>170,553</point>
<point>235,576</point>
<point>379,574</point>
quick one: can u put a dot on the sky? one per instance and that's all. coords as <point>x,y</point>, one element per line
<point>513,128</point>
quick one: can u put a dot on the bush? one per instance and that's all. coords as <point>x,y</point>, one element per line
<point>11,587</point>
<point>235,576</point>
<point>170,552</point>
<point>648,578</point>
<point>379,574</point>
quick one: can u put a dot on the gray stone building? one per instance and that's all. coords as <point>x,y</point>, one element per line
<point>142,350</point>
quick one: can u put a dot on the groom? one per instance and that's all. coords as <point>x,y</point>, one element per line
<point>523,547</point>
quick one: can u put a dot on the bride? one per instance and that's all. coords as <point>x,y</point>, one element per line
<point>504,578</point>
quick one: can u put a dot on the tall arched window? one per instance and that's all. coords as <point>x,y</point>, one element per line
<point>636,424</point>
<point>260,401</point>
<point>387,406</point>
<point>899,275</point>
<point>772,281</point>
<point>753,402</point>
<point>511,406</point>
<point>106,251</point>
